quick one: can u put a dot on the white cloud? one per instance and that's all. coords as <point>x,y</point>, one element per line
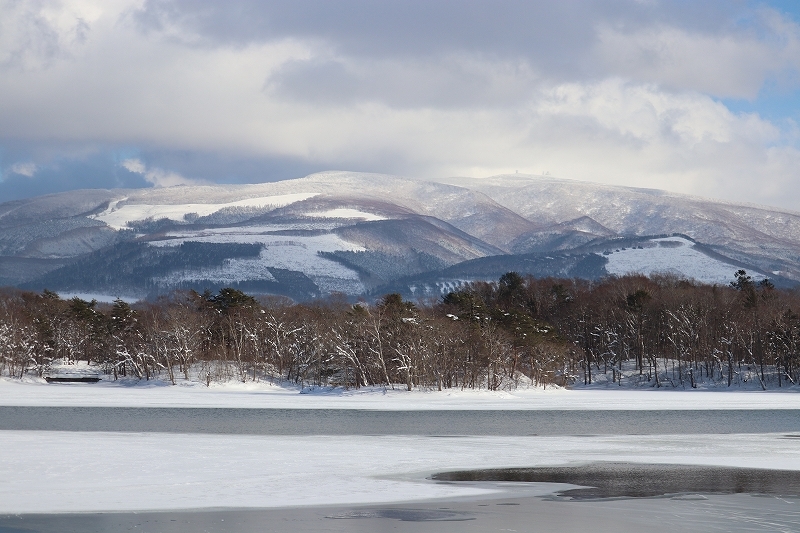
<point>720,65</point>
<point>733,64</point>
<point>24,169</point>
<point>134,165</point>
<point>158,177</point>
<point>34,34</point>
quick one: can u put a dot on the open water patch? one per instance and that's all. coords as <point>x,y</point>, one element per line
<point>603,480</point>
<point>406,515</point>
<point>253,421</point>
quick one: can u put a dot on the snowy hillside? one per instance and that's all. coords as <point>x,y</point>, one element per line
<point>672,255</point>
<point>119,214</point>
<point>360,233</point>
<point>767,238</point>
<point>289,252</point>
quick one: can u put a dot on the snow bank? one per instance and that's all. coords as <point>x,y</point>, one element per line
<point>263,395</point>
<point>47,472</point>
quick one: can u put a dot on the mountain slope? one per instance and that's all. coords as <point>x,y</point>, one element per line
<point>765,237</point>
<point>360,233</point>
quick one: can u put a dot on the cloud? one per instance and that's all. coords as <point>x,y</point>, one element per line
<point>35,34</point>
<point>453,81</point>
<point>24,169</point>
<point>621,91</point>
<point>134,165</point>
<point>734,64</point>
<point>157,176</point>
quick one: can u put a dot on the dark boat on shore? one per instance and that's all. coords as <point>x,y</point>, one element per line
<point>72,374</point>
<point>72,379</point>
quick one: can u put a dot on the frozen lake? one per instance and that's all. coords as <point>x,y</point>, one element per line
<point>371,422</point>
<point>359,467</point>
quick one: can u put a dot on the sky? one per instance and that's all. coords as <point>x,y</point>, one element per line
<point>693,97</point>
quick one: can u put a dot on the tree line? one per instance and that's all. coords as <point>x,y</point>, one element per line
<point>658,331</point>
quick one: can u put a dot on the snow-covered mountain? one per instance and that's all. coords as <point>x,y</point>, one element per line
<point>357,233</point>
<point>768,238</point>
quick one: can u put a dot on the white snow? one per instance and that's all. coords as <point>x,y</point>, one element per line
<point>263,395</point>
<point>117,216</point>
<point>258,229</point>
<point>290,252</point>
<point>47,472</point>
<point>671,255</point>
<point>74,368</point>
<point>346,213</point>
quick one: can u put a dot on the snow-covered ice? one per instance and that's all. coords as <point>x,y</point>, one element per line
<point>64,471</point>
<point>263,395</point>
<point>77,472</point>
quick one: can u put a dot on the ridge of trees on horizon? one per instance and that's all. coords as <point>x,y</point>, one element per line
<point>660,331</point>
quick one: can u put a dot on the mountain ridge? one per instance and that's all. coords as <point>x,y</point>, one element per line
<point>354,233</point>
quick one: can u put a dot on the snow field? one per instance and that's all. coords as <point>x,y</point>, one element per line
<point>49,472</point>
<point>678,256</point>
<point>259,229</point>
<point>346,213</point>
<point>290,252</point>
<point>117,216</point>
<point>34,392</point>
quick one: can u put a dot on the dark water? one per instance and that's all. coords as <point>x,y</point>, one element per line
<point>363,422</point>
<point>633,480</point>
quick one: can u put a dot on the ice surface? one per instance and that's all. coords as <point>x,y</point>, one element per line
<point>75,472</point>
<point>51,471</point>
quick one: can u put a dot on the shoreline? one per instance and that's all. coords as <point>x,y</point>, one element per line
<point>30,393</point>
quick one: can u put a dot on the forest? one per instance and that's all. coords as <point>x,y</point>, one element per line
<point>660,331</point>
